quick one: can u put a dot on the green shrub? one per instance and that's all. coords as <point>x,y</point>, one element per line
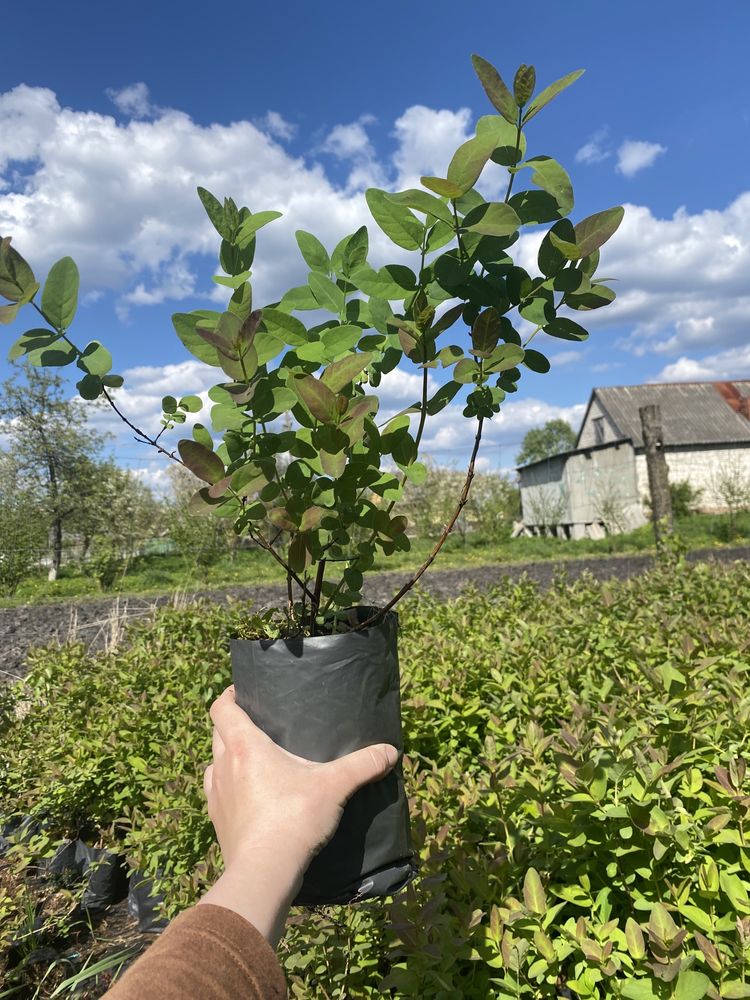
<point>576,774</point>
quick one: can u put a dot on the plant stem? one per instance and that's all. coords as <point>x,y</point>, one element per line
<point>458,232</point>
<point>440,542</point>
<point>269,548</point>
<point>316,594</point>
<point>515,159</point>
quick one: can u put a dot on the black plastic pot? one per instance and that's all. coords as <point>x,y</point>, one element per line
<point>145,905</point>
<point>321,698</point>
<point>106,876</point>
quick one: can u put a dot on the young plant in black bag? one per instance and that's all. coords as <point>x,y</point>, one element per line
<point>294,452</point>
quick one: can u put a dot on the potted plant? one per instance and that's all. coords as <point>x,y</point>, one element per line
<point>298,456</point>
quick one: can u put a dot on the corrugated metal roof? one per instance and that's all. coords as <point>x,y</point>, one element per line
<point>691,412</point>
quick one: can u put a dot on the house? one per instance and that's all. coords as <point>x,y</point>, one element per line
<point>600,486</point>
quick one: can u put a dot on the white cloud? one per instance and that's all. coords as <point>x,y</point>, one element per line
<point>427,139</point>
<point>133,101</point>
<point>350,142</point>
<point>450,435</point>
<point>594,150</point>
<point>731,364</point>
<point>635,154</point>
<point>276,125</point>
<point>683,282</point>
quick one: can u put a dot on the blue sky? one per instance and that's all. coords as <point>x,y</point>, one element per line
<point>110,116</point>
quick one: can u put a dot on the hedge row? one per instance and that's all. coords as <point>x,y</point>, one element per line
<point>576,767</point>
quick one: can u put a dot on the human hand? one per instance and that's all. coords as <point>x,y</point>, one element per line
<point>271,807</point>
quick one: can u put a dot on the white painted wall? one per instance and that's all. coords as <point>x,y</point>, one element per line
<point>702,467</point>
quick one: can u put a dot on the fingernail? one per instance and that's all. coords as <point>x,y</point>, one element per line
<point>391,754</point>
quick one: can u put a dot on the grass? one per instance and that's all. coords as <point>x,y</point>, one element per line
<point>164,573</point>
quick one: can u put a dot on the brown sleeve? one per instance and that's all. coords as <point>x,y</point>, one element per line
<point>207,952</point>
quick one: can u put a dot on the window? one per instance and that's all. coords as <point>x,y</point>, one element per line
<point>599,430</point>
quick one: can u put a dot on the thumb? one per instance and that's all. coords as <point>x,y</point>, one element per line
<point>362,767</point>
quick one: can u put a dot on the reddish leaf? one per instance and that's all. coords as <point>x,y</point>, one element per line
<point>201,461</point>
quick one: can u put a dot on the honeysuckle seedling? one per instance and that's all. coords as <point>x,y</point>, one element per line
<point>293,450</point>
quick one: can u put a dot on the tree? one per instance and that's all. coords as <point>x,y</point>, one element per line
<point>23,538</point>
<point>554,438</point>
<point>50,445</point>
<point>200,539</point>
<point>731,484</point>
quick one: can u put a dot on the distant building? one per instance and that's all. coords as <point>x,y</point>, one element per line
<point>599,487</point>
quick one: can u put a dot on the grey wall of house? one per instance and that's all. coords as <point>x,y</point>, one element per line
<point>588,437</point>
<point>584,489</point>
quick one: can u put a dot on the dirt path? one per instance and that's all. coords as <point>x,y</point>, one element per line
<point>94,621</point>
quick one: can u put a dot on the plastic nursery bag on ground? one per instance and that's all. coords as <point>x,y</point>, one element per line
<point>321,698</point>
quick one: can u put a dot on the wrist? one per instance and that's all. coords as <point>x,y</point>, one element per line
<point>259,885</point>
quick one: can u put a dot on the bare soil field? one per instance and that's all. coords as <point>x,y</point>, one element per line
<point>99,622</point>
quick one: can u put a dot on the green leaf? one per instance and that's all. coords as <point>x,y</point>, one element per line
<point>185,327</point>
<point>169,404</point>
<point>351,252</point>
<point>90,387</point>
<point>202,436</point>
<point>552,178</point>
<point>382,284</point>
<point>546,95</point>
<point>234,281</point>
<point>192,404</point>
<point>286,327</point>
<point>469,160</point>
<point>735,990</point>
<point>639,989</point>
<point>8,313</point>
<point>314,253</point>
<point>215,212</point>
<point>17,279</point>
<point>338,339</point>
<point>420,201</point>
<point>333,464</point>
<point>327,294</point>
<point>594,231</point>
<point>300,298</point>
<point>523,84</point>
<point>299,554</point>
<point>565,329</point>
<point>495,89</point>
<point>465,371</point>
<point>317,397</point>
<point>661,925</point>
<point>691,986</point>
<point>535,361</point>
<point>634,939</point>
<point>95,359</point>
<point>342,373</point>
<point>533,892</point>
<point>442,186</point>
<point>550,260</point>
<point>202,462</point>
<point>252,224</point>
<point>494,218</point>
<point>593,298</point>
<point>396,221</point>
<point>60,294</point>
<point>38,340</point>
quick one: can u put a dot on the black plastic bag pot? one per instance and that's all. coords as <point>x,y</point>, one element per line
<point>321,698</point>
<point>105,874</point>
<point>65,864</point>
<point>144,904</point>
<point>18,830</point>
